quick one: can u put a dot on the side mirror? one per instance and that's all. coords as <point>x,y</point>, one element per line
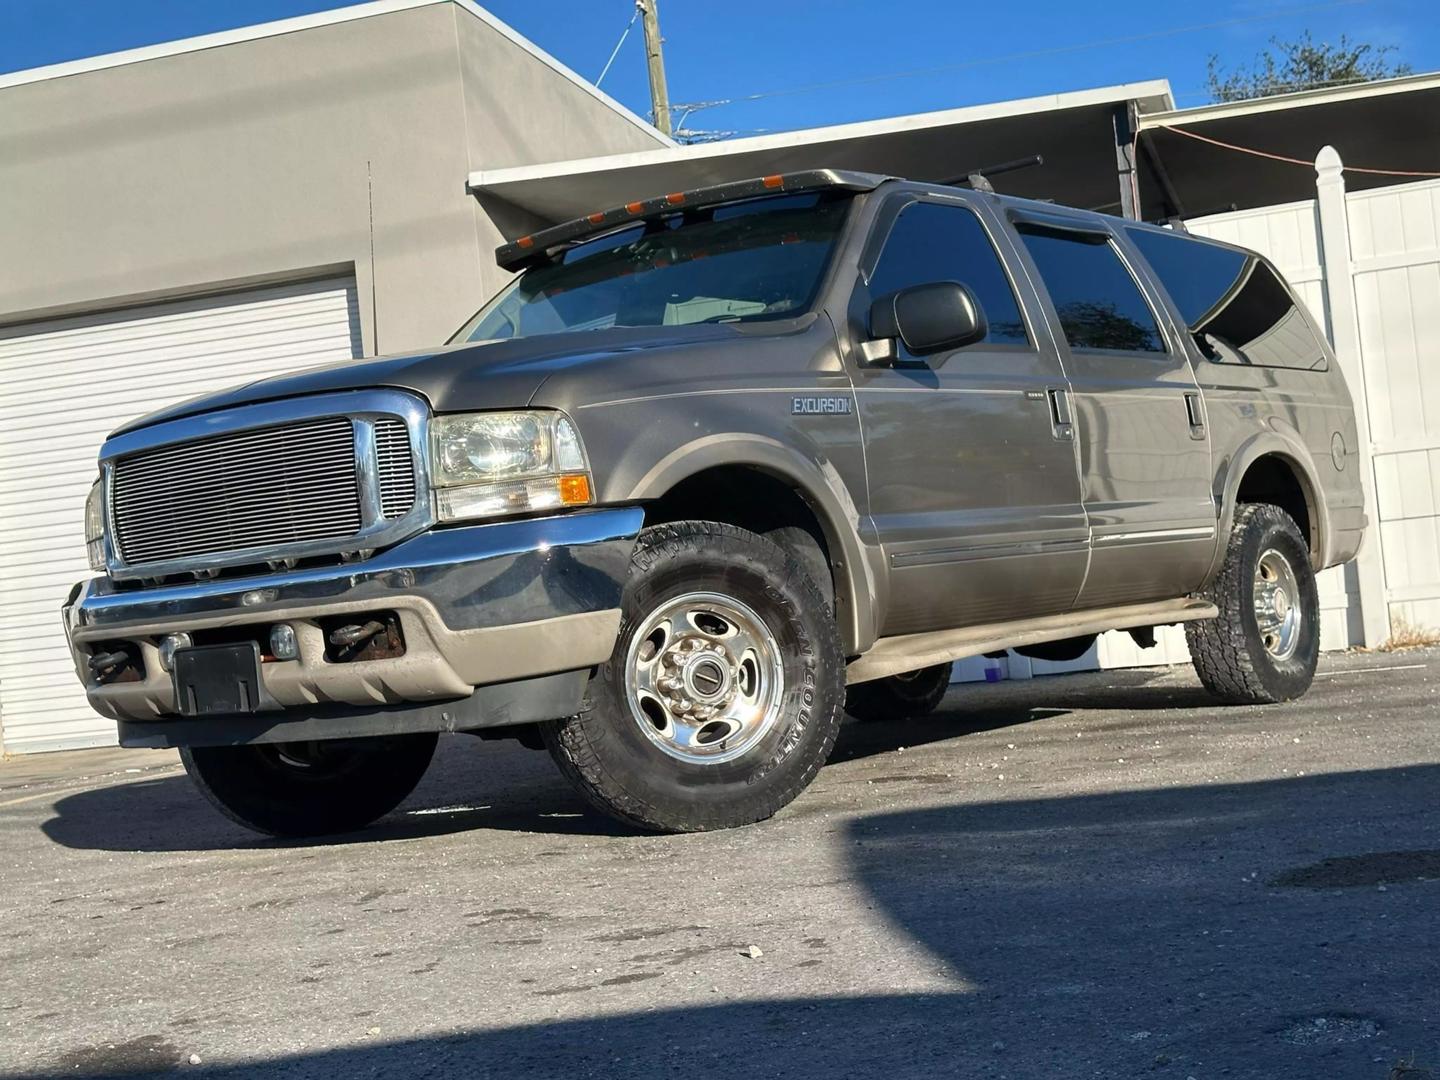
<point>930,318</point>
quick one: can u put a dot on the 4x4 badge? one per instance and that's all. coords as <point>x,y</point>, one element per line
<point>806,406</point>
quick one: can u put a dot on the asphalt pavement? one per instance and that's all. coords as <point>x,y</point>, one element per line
<point>1103,875</point>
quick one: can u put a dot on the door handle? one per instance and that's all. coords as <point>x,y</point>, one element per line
<point>1195,413</point>
<point>1060,419</point>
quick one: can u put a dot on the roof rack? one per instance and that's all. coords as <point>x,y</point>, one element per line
<point>538,246</point>
<point>979,179</point>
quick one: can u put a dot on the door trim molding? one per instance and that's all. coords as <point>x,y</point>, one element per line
<point>906,559</point>
<point>1148,536</point>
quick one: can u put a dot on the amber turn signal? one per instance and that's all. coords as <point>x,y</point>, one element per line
<point>574,489</point>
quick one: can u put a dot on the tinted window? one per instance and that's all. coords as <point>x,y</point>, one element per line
<point>930,243</point>
<point>1099,304</point>
<point>1239,311</point>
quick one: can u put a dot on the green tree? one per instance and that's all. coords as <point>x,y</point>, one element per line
<point>1301,64</point>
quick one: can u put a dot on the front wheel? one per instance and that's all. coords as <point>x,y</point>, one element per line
<point>311,788</point>
<point>1265,643</point>
<point>723,696</point>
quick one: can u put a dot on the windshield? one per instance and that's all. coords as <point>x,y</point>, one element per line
<point>740,262</point>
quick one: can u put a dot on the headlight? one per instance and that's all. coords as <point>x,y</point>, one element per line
<point>95,526</point>
<point>492,464</point>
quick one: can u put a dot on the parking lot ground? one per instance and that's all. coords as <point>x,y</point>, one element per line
<point>1103,875</point>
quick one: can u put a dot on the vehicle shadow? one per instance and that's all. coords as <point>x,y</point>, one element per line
<point>479,785</point>
<point>471,786</point>
<point>1185,931</point>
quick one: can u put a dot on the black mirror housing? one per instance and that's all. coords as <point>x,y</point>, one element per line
<point>931,318</point>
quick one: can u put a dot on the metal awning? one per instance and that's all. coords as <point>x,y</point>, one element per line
<point>1392,124</point>
<point>1086,138</point>
<point>1074,132</point>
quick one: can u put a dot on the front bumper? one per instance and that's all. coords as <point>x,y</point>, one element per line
<point>500,607</point>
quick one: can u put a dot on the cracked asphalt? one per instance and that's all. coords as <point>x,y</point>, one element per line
<point>1103,875</point>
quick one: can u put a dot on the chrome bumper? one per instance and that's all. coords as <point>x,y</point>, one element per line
<point>478,605</point>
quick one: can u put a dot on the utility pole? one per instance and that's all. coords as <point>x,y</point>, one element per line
<point>655,62</point>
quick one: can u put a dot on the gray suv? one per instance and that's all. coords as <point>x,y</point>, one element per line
<point>712,469</point>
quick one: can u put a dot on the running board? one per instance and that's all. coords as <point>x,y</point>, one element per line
<point>911,652</point>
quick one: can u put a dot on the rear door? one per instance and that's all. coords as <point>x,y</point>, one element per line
<point>1139,416</point>
<point>974,492</point>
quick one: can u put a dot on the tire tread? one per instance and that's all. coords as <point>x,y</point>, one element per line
<point>573,744</point>
<point>1218,646</point>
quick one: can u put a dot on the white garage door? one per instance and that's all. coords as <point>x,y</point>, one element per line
<point>64,385</point>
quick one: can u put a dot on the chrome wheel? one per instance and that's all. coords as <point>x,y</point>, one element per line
<point>704,678</point>
<point>1278,611</point>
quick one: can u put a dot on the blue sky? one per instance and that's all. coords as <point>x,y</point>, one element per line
<point>717,51</point>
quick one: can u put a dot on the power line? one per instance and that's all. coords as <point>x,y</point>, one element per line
<point>1031,54</point>
<point>1290,160</point>
<point>616,51</point>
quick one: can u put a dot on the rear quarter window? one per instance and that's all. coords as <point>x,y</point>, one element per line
<point>1232,302</point>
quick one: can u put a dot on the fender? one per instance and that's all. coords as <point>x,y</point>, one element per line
<point>1282,441</point>
<point>819,484</point>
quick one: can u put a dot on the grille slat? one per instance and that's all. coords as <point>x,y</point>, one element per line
<point>268,487</point>
<point>322,484</point>
<point>179,453</point>
<point>395,468</point>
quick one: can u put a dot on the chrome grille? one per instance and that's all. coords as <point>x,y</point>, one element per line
<point>250,489</point>
<point>395,468</point>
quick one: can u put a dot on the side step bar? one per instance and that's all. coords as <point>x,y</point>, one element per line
<point>910,652</point>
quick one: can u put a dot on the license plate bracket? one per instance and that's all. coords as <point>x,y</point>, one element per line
<point>217,680</point>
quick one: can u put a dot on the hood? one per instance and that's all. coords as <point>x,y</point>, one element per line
<point>470,376</point>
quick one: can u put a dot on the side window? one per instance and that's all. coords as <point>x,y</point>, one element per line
<point>1099,304</point>
<point>930,242</point>
<point>1238,309</point>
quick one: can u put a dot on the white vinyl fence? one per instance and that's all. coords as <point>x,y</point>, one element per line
<point>1367,265</point>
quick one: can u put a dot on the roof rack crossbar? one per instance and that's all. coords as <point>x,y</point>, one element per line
<point>979,179</point>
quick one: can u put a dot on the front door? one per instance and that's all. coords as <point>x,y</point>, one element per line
<point>974,493</point>
<point>1139,420</point>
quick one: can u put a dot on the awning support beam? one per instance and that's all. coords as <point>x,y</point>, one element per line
<point>1125,117</point>
<point>1174,208</point>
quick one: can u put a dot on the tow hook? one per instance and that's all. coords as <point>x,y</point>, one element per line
<point>354,635</point>
<point>104,664</point>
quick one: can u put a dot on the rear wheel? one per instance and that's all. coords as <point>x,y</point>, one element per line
<point>311,788</point>
<point>1265,643</point>
<point>722,698</point>
<point>915,693</point>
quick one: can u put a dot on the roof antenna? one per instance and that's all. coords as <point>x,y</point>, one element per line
<point>979,179</point>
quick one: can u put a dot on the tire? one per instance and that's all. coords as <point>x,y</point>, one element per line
<point>310,789</point>
<point>761,715</point>
<point>916,693</point>
<point>1238,660</point>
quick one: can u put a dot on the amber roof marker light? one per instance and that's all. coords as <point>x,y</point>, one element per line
<point>538,246</point>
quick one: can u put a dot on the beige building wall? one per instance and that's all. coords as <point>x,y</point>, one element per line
<point>339,145</point>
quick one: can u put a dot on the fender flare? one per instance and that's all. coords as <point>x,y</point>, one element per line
<point>818,483</point>
<point>1283,442</point>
